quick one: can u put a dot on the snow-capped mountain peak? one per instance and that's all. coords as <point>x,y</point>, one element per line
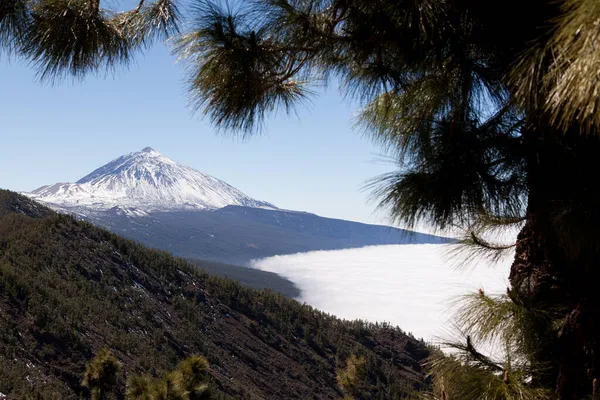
<point>145,181</point>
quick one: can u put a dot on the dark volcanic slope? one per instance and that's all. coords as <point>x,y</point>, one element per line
<point>249,277</point>
<point>68,289</point>
<point>237,235</point>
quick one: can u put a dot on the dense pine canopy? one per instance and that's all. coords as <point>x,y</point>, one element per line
<point>490,109</point>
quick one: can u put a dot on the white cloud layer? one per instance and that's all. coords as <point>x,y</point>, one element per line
<point>411,286</point>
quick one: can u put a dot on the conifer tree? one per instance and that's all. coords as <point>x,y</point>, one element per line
<point>350,378</point>
<point>490,111</point>
<point>189,381</point>
<point>101,374</point>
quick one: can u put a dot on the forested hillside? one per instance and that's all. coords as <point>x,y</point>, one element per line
<point>68,289</point>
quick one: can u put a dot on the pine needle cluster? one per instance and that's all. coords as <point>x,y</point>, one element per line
<point>510,335</point>
<point>74,38</point>
<point>189,381</point>
<point>101,374</point>
<point>350,378</point>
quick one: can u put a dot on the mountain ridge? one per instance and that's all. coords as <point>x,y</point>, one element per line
<point>237,235</point>
<point>144,180</point>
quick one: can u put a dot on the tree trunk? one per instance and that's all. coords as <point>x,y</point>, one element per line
<point>540,278</point>
<point>557,261</point>
<point>94,6</point>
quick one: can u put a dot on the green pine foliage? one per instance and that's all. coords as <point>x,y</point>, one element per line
<point>351,376</point>
<point>188,382</point>
<point>492,128</point>
<point>101,374</point>
<point>73,38</point>
<point>514,331</point>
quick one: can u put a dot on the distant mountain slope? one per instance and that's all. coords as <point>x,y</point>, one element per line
<point>249,277</point>
<point>150,198</point>
<point>146,181</point>
<point>237,235</point>
<point>68,289</point>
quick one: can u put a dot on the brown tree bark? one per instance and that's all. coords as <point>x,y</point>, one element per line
<point>557,261</point>
<point>94,6</point>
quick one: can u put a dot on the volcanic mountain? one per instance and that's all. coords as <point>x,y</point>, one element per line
<point>146,181</point>
<point>150,198</point>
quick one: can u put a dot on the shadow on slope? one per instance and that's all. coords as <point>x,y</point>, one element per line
<point>250,277</point>
<point>237,235</point>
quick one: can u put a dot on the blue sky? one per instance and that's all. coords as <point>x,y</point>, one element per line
<point>314,161</point>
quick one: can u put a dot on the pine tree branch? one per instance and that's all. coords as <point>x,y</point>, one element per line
<point>140,5</point>
<point>482,359</point>
<point>487,245</point>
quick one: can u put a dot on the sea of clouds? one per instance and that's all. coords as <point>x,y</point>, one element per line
<point>412,286</point>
